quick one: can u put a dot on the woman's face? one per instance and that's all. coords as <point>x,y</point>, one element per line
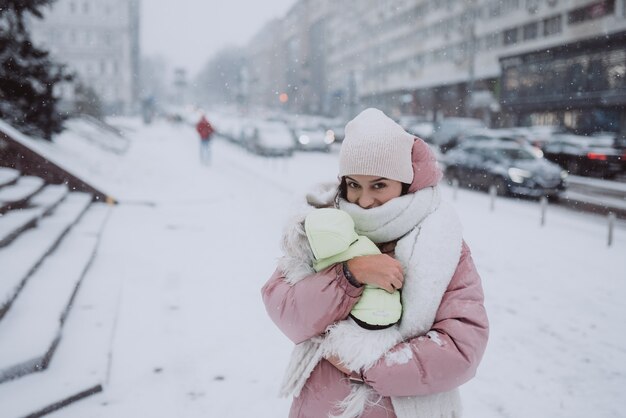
<point>371,191</point>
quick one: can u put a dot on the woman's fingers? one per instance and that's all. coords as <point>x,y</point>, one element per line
<point>380,270</point>
<point>392,285</point>
<point>387,287</point>
<point>397,284</point>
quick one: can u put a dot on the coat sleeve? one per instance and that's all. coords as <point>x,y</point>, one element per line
<point>305,309</point>
<point>449,354</point>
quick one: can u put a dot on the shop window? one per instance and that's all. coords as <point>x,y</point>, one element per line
<point>591,11</point>
<point>552,25</point>
<point>532,6</point>
<point>510,37</point>
<point>598,74</point>
<point>530,31</point>
<point>576,74</point>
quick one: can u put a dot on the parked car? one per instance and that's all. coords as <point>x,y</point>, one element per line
<point>269,138</point>
<point>407,121</point>
<point>587,156</point>
<point>450,128</point>
<point>338,130</point>
<point>512,168</point>
<point>312,138</point>
<point>484,134</point>
<point>230,127</point>
<point>539,135</point>
<point>620,141</point>
<point>423,130</point>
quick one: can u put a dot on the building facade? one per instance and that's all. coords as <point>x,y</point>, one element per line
<point>99,41</point>
<point>265,66</point>
<point>439,58</point>
<point>581,84</point>
<point>286,60</point>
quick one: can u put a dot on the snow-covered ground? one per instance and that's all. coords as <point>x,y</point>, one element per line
<point>194,244</point>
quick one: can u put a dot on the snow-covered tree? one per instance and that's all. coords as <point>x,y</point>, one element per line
<point>27,75</point>
<point>220,79</point>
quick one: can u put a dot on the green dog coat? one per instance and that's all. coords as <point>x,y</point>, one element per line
<point>332,239</point>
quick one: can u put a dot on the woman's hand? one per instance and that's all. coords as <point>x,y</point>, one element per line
<point>335,361</point>
<point>380,270</point>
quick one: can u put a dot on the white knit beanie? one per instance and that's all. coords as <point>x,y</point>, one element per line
<point>374,145</point>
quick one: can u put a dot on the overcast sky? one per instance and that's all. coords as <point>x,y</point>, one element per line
<point>188,32</point>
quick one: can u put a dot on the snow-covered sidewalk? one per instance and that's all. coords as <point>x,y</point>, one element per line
<point>193,245</point>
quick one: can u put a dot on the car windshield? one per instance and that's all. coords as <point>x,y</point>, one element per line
<point>514,154</point>
<point>274,129</point>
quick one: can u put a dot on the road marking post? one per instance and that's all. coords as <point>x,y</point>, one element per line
<point>492,197</point>
<point>611,226</point>
<point>543,203</point>
<point>455,188</point>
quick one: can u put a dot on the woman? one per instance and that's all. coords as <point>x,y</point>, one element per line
<point>388,184</point>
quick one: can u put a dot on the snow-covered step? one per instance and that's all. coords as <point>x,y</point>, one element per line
<point>16,221</point>
<point>22,190</point>
<point>8,176</point>
<point>22,257</point>
<point>80,364</point>
<point>49,197</point>
<point>31,329</point>
<point>99,133</point>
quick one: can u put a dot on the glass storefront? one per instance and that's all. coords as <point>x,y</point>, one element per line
<point>582,84</point>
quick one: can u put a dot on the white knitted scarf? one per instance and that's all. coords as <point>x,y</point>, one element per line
<point>428,247</point>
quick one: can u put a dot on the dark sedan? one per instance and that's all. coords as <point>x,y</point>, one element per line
<point>513,169</point>
<point>586,156</point>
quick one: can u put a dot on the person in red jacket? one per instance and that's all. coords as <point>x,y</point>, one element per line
<point>205,130</point>
<point>389,186</point>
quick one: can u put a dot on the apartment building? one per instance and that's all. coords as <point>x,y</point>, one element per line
<point>441,58</point>
<point>265,66</point>
<point>99,40</point>
<point>580,82</point>
<point>444,57</point>
<point>286,60</point>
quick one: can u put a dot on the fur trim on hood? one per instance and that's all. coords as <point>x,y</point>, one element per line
<point>297,259</point>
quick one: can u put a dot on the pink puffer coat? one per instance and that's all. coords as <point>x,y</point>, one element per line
<point>444,360</point>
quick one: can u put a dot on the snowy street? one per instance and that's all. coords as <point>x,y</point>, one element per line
<point>189,247</point>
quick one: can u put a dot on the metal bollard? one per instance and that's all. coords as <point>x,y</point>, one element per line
<point>492,197</point>
<point>543,202</point>
<point>611,226</point>
<point>455,188</point>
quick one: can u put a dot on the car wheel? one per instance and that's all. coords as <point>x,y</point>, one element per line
<point>502,188</point>
<point>554,198</point>
<point>573,167</point>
